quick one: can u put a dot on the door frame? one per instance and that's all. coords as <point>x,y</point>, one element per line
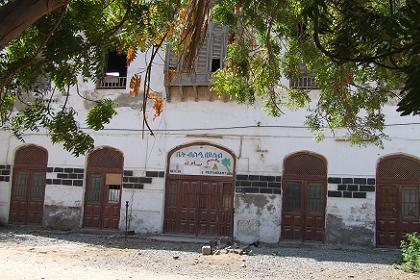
<point>398,184</point>
<point>303,198</point>
<point>29,168</point>
<point>102,171</point>
<point>178,177</point>
<point>304,180</point>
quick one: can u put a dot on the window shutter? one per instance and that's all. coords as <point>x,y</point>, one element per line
<point>173,59</point>
<point>202,59</point>
<point>217,42</point>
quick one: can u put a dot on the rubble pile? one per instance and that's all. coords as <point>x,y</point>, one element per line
<point>218,248</point>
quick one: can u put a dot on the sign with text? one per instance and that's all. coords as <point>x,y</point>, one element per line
<point>201,160</point>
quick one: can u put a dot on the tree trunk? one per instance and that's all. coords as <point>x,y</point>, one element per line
<point>18,15</point>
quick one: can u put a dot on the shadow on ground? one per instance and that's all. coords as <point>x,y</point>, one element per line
<point>115,239</point>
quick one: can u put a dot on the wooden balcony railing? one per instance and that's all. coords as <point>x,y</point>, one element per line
<point>304,82</point>
<point>112,82</point>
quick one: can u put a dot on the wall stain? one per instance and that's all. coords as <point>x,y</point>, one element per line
<point>337,232</point>
<point>62,217</point>
<point>259,200</point>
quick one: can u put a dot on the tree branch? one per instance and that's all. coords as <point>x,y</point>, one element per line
<point>18,15</point>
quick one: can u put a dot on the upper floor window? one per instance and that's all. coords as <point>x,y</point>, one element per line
<point>305,81</point>
<point>209,59</point>
<point>115,72</point>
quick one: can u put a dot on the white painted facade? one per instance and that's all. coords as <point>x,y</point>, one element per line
<point>258,151</point>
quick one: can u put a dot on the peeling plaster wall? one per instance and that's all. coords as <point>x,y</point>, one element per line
<point>257,217</point>
<point>62,217</point>
<point>63,207</point>
<point>351,221</point>
<point>146,206</point>
<point>5,192</point>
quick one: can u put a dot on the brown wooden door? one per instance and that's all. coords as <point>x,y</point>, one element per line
<point>198,207</point>
<point>397,213</point>
<point>303,215</point>
<point>397,199</point>
<point>102,203</point>
<point>28,192</point>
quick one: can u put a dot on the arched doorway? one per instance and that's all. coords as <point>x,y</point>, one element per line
<point>304,197</point>
<point>103,188</point>
<point>397,199</point>
<point>28,185</point>
<point>199,190</point>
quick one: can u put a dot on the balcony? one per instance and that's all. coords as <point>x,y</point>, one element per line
<point>304,82</point>
<point>112,82</point>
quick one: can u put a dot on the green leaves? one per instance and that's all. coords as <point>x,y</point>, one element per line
<point>100,114</point>
<point>359,52</point>
<point>64,128</point>
<point>410,250</point>
<point>61,127</point>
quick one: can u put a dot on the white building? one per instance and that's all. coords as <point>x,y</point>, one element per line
<point>216,168</point>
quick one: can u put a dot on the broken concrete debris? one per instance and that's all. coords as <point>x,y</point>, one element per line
<point>206,250</point>
<point>228,248</point>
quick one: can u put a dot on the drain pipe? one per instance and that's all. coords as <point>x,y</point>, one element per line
<point>126,220</point>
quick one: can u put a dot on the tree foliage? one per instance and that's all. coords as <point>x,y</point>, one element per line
<point>362,53</point>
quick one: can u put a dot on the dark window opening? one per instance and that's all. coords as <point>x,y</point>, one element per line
<point>215,64</point>
<point>115,72</point>
<point>116,64</point>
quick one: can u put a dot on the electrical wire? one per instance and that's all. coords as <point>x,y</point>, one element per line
<point>236,127</point>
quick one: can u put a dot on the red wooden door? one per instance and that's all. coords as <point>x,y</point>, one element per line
<point>198,207</point>
<point>102,203</point>
<point>397,199</point>
<point>187,207</point>
<point>303,215</point>
<point>226,210</point>
<point>209,205</point>
<point>397,213</point>
<point>27,201</point>
<point>387,215</point>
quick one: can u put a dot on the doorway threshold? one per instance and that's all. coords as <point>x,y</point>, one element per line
<point>183,238</point>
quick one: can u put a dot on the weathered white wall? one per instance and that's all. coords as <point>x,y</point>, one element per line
<point>146,208</point>
<point>258,150</point>
<point>350,221</point>
<point>5,192</point>
<point>257,218</point>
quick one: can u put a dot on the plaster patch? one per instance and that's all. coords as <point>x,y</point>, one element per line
<point>339,233</point>
<point>249,227</point>
<point>258,200</point>
<point>61,217</point>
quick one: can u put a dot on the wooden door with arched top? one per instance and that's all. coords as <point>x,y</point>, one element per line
<point>304,197</point>
<point>103,188</point>
<point>199,190</point>
<point>28,185</point>
<point>397,199</point>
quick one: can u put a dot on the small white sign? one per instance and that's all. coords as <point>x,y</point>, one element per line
<point>201,160</point>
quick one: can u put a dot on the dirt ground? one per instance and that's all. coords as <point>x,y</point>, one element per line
<point>41,254</point>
